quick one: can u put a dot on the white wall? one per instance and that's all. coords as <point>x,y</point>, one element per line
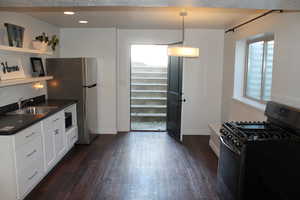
<point>202,81</point>
<point>285,85</point>
<point>202,76</point>
<point>33,27</point>
<point>100,43</point>
<point>126,38</point>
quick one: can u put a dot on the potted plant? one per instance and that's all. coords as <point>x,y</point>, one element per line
<point>53,42</point>
<point>42,42</point>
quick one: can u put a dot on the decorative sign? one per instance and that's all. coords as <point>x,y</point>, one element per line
<point>11,68</point>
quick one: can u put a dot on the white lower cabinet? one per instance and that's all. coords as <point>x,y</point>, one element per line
<point>27,156</point>
<point>54,139</point>
<point>21,162</point>
<point>60,138</point>
<point>30,152</point>
<point>72,136</point>
<point>49,149</point>
<point>72,132</point>
<point>30,177</point>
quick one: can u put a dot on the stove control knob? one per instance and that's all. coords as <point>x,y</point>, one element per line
<point>223,132</point>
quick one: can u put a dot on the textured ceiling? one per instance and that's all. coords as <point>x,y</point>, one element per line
<point>144,18</point>
<point>252,4</point>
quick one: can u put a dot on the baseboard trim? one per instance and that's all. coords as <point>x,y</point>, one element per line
<point>196,132</point>
<point>107,132</point>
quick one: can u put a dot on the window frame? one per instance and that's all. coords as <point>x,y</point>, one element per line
<point>265,39</point>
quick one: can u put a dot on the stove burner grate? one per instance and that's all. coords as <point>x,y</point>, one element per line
<point>249,131</point>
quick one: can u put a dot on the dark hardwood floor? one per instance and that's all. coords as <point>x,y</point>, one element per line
<point>134,166</point>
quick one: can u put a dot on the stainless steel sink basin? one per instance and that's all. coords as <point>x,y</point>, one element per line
<point>33,110</point>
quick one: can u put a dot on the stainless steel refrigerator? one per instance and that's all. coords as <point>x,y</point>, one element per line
<point>76,79</point>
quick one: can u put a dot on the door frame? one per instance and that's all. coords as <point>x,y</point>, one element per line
<point>130,95</point>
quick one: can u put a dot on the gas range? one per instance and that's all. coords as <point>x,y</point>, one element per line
<point>240,133</point>
<point>259,160</point>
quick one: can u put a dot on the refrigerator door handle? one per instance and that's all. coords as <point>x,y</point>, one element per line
<point>90,86</point>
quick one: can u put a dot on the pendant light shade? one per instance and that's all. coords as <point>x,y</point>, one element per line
<point>183,51</point>
<point>180,50</point>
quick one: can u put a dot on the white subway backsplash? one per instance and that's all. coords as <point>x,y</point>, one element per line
<point>11,94</point>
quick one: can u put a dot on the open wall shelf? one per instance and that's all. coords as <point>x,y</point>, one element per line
<point>6,83</point>
<point>24,50</point>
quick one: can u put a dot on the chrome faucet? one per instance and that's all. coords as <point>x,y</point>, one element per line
<point>20,103</point>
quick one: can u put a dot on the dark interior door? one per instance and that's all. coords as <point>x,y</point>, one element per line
<point>174,97</point>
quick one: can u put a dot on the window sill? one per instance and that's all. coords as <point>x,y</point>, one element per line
<point>253,104</point>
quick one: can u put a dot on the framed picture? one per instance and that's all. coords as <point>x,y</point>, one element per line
<point>37,66</point>
<point>15,35</point>
<point>11,67</point>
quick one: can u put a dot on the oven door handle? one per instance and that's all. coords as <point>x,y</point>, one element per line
<point>229,147</point>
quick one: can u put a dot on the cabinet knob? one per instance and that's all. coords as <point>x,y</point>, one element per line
<point>31,177</point>
<point>56,131</point>
<point>28,136</point>
<point>30,154</point>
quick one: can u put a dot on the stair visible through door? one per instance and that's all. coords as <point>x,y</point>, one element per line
<point>148,97</point>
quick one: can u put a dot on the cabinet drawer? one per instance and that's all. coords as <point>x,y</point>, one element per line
<point>28,134</point>
<point>28,153</point>
<point>50,122</point>
<point>29,177</point>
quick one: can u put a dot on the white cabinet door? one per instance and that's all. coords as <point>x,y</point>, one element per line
<point>54,139</point>
<point>49,142</point>
<point>72,137</point>
<point>60,136</point>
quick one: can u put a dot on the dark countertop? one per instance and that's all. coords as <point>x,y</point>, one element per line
<point>20,122</point>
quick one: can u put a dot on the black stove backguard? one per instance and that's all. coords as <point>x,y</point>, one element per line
<point>284,116</point>
<point>266,168</point>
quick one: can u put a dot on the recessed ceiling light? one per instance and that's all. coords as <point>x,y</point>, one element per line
<point>83,21</point>
<point>69,13</point>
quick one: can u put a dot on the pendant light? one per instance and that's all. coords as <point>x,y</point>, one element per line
<point>180,50</point>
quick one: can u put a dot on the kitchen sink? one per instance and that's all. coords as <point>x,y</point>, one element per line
<point>33,110</point>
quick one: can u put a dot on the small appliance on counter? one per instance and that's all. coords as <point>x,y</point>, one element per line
<point>260,160</point>
<point>76,79</point>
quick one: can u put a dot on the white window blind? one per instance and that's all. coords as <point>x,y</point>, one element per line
<point>259,70</point>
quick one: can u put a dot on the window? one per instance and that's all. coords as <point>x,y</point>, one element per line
<point>259,69</point>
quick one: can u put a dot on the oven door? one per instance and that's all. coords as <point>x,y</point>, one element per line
<point>230,172</point>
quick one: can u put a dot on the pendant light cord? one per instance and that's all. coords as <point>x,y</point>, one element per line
<point>183,14</point>
<point>182,28</point>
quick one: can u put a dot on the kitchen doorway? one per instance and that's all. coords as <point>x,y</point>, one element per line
<point>149,78</point>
